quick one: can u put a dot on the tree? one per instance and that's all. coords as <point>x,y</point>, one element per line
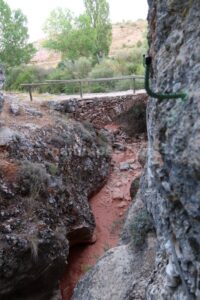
<point>14,46</point>
<point>71,36</point>
<point>98,12</point>
<point>86,35</point>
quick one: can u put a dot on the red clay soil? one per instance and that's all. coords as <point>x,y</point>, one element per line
<point>109,207</point>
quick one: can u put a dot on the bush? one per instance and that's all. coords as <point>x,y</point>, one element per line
<point>140,227</point>
<point>123,85</point>
<point>24,74</point>
<point>80,68</point>
<point>103,70</point>
<point>59,74</point>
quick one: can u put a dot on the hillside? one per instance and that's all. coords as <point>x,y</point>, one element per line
<point>124,36</point>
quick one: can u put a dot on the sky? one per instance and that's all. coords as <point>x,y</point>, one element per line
<point>37,11</point>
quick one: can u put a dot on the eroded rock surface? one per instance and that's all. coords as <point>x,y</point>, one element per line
<point>171,186</point>
<point>47,172</point>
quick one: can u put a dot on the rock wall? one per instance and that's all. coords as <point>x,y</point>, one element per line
<point>100,110</point>
<point>49,167</point>
<point>171,184</point>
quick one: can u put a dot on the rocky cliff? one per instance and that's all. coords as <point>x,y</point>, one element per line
<point>49,166</point>
<point>170,186</point>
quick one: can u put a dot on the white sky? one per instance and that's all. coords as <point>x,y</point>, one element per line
<point>37,11</point>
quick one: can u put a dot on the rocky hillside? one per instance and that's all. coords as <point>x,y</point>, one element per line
<point>49,166</point>
<point>124,37</point>
<point>158,257</point>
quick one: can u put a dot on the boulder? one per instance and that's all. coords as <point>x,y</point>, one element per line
<point>47,175</point>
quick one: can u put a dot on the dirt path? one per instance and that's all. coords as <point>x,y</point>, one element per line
<point>109,207</point>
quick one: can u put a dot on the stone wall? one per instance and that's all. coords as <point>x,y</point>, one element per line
<point>99,110</point>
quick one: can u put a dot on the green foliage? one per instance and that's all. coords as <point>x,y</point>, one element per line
<point>23,74</point>
<point>71,36</point>
<point>126,62</point>
<point>98,12</point>
<point>140,227</point>
<point>86,35</point>
<point>123,85</point>
<point>80,68</point>
<point>105,69</point>
<point>60,74</point>
<point>14,46</point>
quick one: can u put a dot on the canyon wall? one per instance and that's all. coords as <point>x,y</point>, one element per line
<point>170,185</point>
<point>49,167</point>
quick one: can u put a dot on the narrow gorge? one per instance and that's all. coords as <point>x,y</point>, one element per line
<point>93,206</point>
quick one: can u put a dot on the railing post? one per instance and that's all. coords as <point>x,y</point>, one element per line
<point>133,85</point>
<point>30,93</point>
<point>81,89</point>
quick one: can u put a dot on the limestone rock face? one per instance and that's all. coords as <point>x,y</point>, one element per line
<point>171,184</point>
<point>47,174</point>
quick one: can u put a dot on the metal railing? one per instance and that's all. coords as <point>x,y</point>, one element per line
<point>81,82</point>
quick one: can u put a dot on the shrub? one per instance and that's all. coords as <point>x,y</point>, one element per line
<point>80,68</point>
<point>103,70</point>
<point>123,85</point>
<point>33,179</point>
<point>24,74</point>
<point>142,224</point>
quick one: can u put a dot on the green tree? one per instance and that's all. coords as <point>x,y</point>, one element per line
<point>71,36</point>
<point>86,35</point>
<point>14,46</point>
<point>98,12</point>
